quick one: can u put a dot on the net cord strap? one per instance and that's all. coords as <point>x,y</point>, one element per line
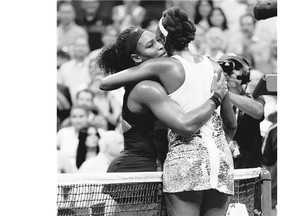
<point>247,173</point>
<point>109,178</point>
<point>129,177</point>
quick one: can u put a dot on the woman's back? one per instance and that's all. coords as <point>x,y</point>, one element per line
<point>140,152</point>
<point>195,89</point>
<point>138,138</point>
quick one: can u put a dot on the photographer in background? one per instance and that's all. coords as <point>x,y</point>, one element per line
<point>249,111</point>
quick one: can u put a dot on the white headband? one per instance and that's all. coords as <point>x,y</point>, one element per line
<point>162,29</point>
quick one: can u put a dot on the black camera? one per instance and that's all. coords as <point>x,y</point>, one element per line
<point>235,62</point>
<point>227,66</point>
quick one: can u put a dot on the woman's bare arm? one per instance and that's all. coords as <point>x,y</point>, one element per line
<point>148,70</point>
<point>228,118</point>
<point>250,106</point>
<point>155,98</point>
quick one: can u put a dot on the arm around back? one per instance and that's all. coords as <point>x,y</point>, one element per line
<point>153,96</point>
<point>153,69</point>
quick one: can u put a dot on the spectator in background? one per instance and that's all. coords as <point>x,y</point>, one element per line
<point>269,157</point>
<point>153,11</point>
<point>247,142</point>
<point>76,5</point>
<point>202,10</point>
<point>245,43</point>
<point>64,101</point>
<point>67,138</point>
<point>187,6</point>
<point>108,37</point>
<point>269,65</point>
<point>68,30</point>
<point>93,23</point>
<point>110,146</point>
<point>105,103</point>
<point>233,14</point>
<point>217,18</point>
<point>215,41</point>
<point>95,77</point>
<point>62,57</point>
<point>88,144</point>
<point>130,13</point>
<point>63,163</point>
<point>151,25</point>
<point>85,97</point>
<point>75,72</point>
<point>198,46</point>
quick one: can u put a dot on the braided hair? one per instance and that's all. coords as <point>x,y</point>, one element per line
<point>117,56</point>
<point>181,30</point>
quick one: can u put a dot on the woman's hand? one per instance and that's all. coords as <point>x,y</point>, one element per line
<point>219,85</point>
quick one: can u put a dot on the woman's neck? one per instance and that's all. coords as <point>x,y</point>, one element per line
<point>187,54</point>
<point>182,52</point>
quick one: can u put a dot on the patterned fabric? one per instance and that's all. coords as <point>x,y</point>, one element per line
<point>200,163</point>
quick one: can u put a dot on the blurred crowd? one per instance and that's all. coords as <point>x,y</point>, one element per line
<point>89,132</point>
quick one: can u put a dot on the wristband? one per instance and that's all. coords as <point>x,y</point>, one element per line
<point>216,98</point>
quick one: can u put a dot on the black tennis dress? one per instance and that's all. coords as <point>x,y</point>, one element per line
<point>140,151</point>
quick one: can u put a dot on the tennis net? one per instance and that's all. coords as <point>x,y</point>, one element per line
<point>141,193</point>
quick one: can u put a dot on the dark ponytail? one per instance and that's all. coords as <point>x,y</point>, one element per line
<point>107,59</point>
<point>117,57</point>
